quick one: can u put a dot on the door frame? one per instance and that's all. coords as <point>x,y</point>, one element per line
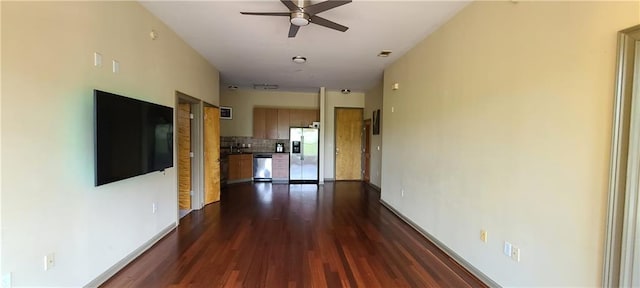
<point>622,239</point>
<point>366,138</point>
<point>197,162</point>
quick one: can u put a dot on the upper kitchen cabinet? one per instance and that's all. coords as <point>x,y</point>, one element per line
<point>303,117</point>
<point>274,123</point>
<point>283,123</point>
<point>271,123</point>
<point>259,123</point>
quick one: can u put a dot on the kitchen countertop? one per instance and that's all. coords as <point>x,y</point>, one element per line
<point>225,154</point>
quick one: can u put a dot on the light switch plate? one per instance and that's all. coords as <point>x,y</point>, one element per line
<point>97,59</point>
<point>507,249</point>
<point>116,67</point>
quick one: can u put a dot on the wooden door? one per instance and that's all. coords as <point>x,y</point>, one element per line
<point>184,156</point>
<point>211,154</point>
<point>366,151</point>
<point>348,138</point>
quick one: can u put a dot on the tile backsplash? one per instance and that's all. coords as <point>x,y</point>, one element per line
<point>250,144</point>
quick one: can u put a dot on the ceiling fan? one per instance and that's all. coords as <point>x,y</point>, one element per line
<point>303,12</point>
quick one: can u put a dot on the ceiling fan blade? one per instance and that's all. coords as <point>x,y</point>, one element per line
<point>324,6</point>
<point>292,6</point>
<point>293,30</point>
<point>327,23</point>
<point>267,13</point>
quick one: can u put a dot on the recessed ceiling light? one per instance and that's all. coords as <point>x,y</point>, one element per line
<point>384,53</point>
<point>345,91</point>
<point>299,59</point>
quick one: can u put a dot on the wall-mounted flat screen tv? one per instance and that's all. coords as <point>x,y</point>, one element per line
<point>132,137</point>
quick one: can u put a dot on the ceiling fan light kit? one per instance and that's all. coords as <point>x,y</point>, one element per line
<point>299,19</point>
<point>301,14</point>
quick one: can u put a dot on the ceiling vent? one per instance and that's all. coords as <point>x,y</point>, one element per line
<point>265,86</point>
<point>384,53</point>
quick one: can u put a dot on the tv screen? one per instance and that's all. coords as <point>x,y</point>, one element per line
<point>133,137</point>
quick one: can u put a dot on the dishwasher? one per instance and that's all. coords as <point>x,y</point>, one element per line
<point>262,167</point>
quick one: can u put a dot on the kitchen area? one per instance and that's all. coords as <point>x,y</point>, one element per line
<point>284,148</point>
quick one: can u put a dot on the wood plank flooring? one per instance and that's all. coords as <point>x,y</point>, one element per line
<point>276,235</point>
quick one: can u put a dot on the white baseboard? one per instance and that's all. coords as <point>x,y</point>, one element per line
<point>473,270</point>
<point>132,256</point>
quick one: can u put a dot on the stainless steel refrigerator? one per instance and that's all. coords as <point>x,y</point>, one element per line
<point>303,166</point>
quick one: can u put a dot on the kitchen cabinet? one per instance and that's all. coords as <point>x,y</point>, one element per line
<point>283,123</point>
<point>274,123</point>
<point>303,117</point>
<point>259,123</point>
<point>271,123</point>
<point>280,162</point>
<point>240,167</point>
<point>310,116</point>
<point>295,117</point>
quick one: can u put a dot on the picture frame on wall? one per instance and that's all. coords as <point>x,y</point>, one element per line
<point>226,113</point>
<point>376,122</point>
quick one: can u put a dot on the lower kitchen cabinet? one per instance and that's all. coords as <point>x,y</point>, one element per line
<point>240,168</point>
<point>280,162</point>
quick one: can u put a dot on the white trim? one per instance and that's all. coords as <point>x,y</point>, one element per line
<point>621,267</point>
<point>132,256</point>
<point>629,260</point>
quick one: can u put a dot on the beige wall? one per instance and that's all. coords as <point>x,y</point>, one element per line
<point>49,202</point>
<point>372,102</point>
<point>336,99</point>
<point>503,122</point>
<point>243,100</point>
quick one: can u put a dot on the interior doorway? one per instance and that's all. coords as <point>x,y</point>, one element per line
<point>348,143</point>
<point>188,159</point>
<point>622,247</point>
<point>184,158</point>
<point>366,151</point>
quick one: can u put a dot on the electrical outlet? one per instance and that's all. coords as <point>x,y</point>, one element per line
<point>154,208</point>
<point>483,235</point>
<point>515,254</point>
<point>507,248</point>
<point>49,261</point>
<point>402,192</point>
<point>6,280</point>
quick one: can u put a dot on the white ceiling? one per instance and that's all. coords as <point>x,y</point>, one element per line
<point>251,50</point>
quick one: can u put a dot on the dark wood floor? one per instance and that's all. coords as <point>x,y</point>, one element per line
<point>274,235</point>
